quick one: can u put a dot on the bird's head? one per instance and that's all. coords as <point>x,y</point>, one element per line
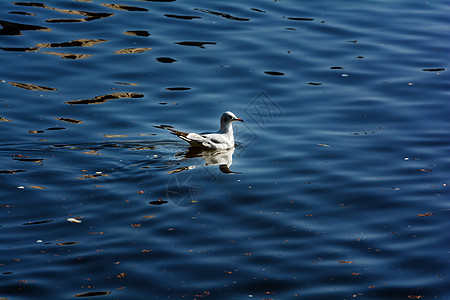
<point>228,118</point>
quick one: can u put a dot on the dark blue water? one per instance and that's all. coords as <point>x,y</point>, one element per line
<point>340,183</point>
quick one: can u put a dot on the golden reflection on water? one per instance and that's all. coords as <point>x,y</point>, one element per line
<point>124,7</point>
<point>4,120</point>
<point>32,87</point>
<point>104,98</point>
<point>74,43</point>
<point>138,33</point>
<point>68,55</point>
<point>132,50</point>
<point>69,120</point>
<point>126,83</point>
<point>89,16</point>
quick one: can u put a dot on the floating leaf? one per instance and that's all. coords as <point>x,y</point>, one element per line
<point>425,215</point>
<point>20,155</point>
<point>345,262</point>
<point>424,170</point>
<point>4,120</point>
<point>92,176</point>
<point>66,243</point>
<point>38,187</point>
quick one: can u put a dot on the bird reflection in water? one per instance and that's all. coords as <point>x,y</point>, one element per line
<point>218,157</point>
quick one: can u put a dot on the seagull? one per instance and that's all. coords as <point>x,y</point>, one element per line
<point>222,139</point>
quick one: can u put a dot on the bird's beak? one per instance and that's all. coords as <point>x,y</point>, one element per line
<point>239,119</point>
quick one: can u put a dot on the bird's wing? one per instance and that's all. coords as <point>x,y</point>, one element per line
<point>194,139</point>
<point>206,140</point>
<point>216,141</point>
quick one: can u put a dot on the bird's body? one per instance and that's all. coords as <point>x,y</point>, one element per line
<point>222,139</point>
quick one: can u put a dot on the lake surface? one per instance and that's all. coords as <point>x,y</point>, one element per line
<point>338,187</point>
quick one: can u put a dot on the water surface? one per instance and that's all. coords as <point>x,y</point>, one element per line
<point>339,181</point>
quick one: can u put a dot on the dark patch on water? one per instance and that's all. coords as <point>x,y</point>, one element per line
<point>300,19</point>
<point>11,28</point>
<point>166,60</point>
<point>274,73</point>
<point>178,88</point>
<point>182,17</point>
<point>195,44</point>
<point>22,49</point>
<point>434,70</point>
<point>38,222</point>
<point>92,294</point>
<point>222,14</point>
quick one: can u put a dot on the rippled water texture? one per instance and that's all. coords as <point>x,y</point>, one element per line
<point>338,186</point>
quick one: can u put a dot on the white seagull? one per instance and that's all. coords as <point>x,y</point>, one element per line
<point>222,139</point>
